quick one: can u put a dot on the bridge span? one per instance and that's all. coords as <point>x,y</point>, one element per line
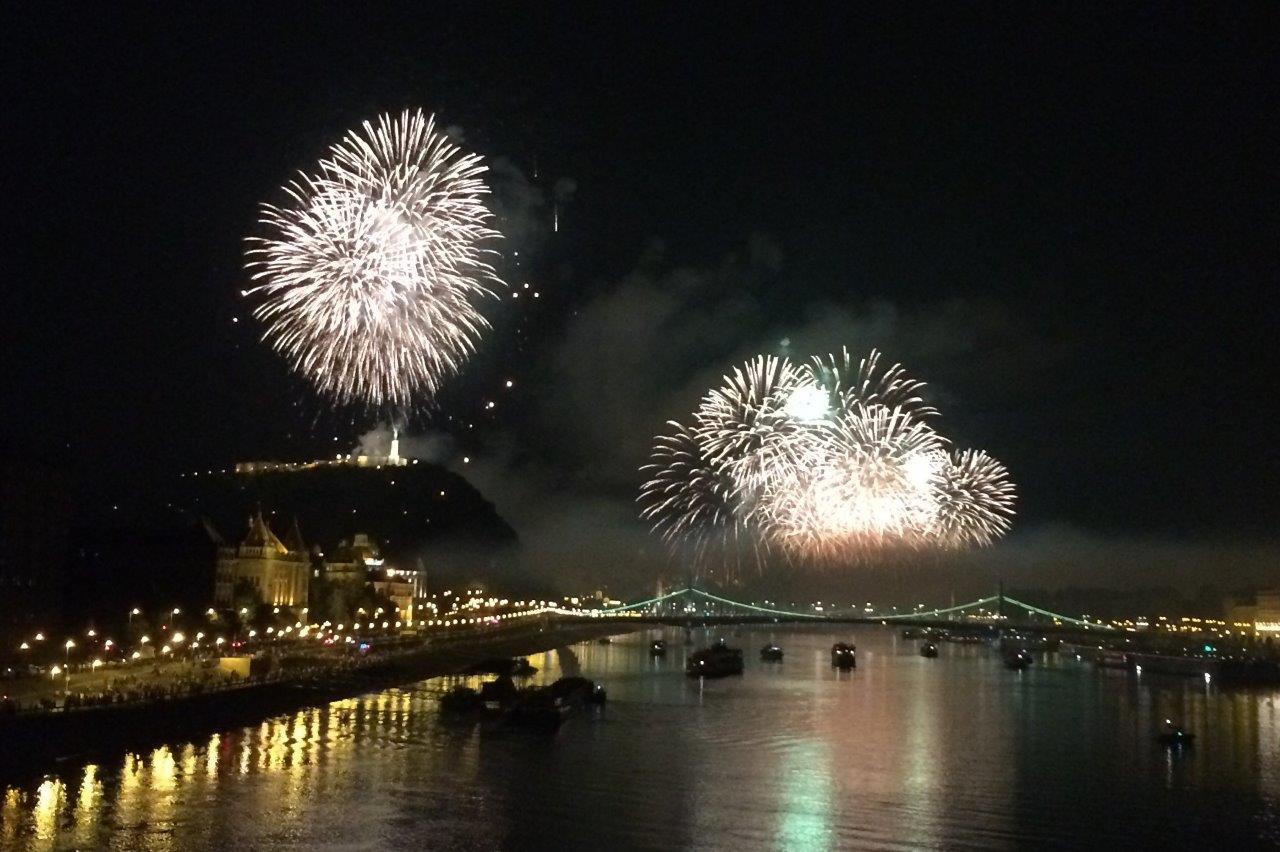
<point>693,606</point>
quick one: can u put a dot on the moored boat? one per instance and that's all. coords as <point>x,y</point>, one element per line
<point>1114,660</point>
<point>717,661</point>
<point>461,701</point>
<point>512,667</point>
<point>545,708</point>
<point>1019,659</point>
<point>1174,736</point>
<point>965,638</point>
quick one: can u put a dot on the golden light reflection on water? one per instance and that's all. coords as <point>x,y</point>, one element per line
<point>11,814</point>
<point>49,799</point>
<point>88,809</point>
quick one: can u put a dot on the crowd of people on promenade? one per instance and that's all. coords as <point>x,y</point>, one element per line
<point>128,689</point>
<point>154,685</point>
<point>150,687</point>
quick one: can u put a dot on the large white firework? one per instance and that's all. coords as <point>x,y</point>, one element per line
<point>685,496</point>
<point>832,462</point>
<point>755,426</point>
<point>693,505</point>
<point>975,498</point>
<point>869,487</point>
<point>867,384</point>
<point>370,278</point>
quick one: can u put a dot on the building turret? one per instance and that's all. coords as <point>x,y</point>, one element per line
<point>293,540</point>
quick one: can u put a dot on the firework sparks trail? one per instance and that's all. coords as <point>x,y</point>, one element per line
<point>828,463</point>
<point>975,500</point>
<point>685,496</point>
<point>748,427</point>
<point>694,507</point>
<point>370,278</point>
<point>867,385</point>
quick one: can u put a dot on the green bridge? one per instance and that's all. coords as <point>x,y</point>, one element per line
<point>692,604</point>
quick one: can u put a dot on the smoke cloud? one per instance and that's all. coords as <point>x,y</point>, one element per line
<point>435,447</point>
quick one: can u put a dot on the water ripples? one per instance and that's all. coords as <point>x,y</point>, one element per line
<point>904,753</point>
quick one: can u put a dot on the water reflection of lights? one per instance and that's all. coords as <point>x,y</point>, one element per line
<point>10,818</point>
<point>45,813</point>
<point>88,809</point>
<point>808,794</point>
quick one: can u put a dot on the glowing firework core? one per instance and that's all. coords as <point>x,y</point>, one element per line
<point>808,403</point>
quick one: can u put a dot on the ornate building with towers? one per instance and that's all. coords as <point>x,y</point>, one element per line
<point>279,571</point>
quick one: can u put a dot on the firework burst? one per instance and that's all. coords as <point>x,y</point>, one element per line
<point>866,384</point>
<point>868,487</point>
<point>749,427</point>
<point>370,278</point>
<point>832,462</point>
<point>693,505</point>
<point>975,500</point>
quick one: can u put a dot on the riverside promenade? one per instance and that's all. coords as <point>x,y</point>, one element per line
<point>172,704</point>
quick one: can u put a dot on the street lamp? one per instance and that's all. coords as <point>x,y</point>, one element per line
<point>66,686</point>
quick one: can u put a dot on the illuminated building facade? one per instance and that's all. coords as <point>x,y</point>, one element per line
<point>279,572</point>
<point>1263,613</point>
<point>359,561</point>
<point>391,459</point>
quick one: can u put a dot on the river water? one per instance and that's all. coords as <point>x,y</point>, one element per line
<point>906,753</point>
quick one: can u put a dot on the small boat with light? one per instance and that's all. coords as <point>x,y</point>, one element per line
<point>844,656</point>
<point>1018,660</point>
<point>657,648</point>
<point>771,653</point>
<point>717,661</point>
<point>1174,736</point>
<point>1113,660</point>
<point>928,649</point>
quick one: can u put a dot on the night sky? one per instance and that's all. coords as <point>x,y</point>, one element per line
<point>1063,219</point>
